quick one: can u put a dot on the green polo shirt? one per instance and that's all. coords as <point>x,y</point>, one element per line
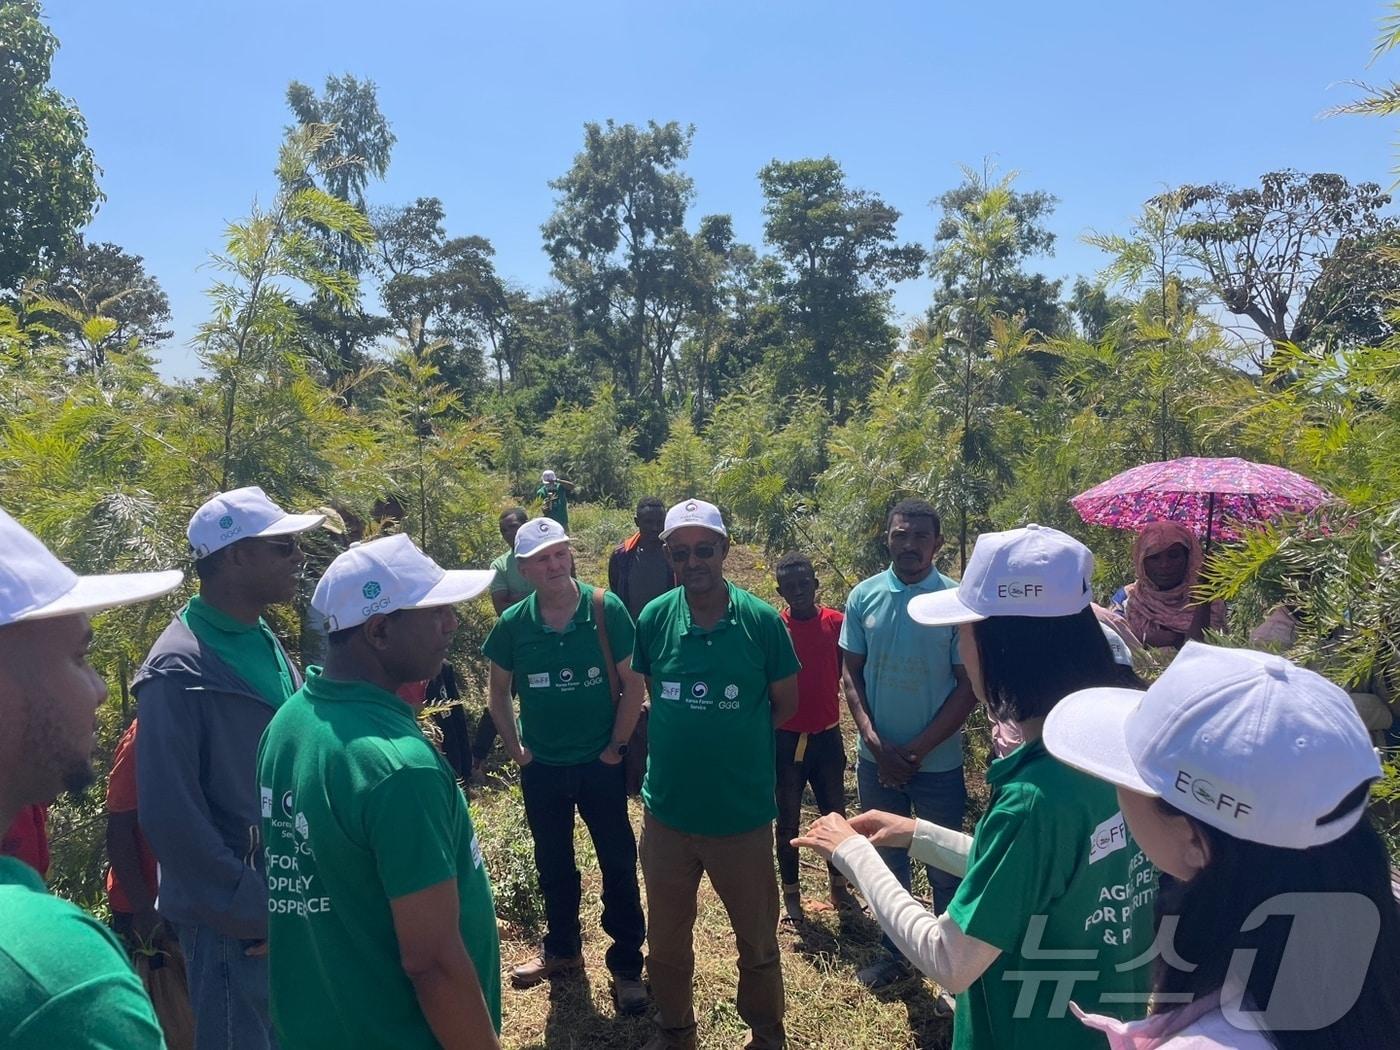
<point>251,649</point>
<point>558,507</point>
<point>358,809</point>
<point>64,979</point>
<point>1053,844</point>
<point>710,762</point>
<point>508,579</point>
<point>566,708</point>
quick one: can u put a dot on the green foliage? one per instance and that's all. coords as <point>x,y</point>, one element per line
<point>48,177</point>
<point>839,254</point>
<point>589,446</point>
<point>681,468</point>
<point>768,451</point>
<point>510,858</point>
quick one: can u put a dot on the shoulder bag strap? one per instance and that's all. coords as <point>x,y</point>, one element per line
<point>602,624</point>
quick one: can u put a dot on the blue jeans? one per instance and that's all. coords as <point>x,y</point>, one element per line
<point>940,798</point>
<point>228,991</point>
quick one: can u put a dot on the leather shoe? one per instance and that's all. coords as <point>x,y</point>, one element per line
<point>542,967</point>
<point>630,995</point>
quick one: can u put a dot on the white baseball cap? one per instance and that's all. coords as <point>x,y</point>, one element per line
<point>547,475</point>
<point>537,534</point>
<point>1246,742</point>
<point>1034,571</point>
<point>388,574</point>
<point>694,512</point>
<point>241,514</point>
<point>34,585</point>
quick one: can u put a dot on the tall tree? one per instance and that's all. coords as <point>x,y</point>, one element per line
<point>616,243</point>
<point>979,329</point>
<point>1263,249</point>
<point>102,281</point>
<point>440,289</point>
<point>840,255</point>
<point>48,177</point>
<point>355,149</point>
<point>253,335</point>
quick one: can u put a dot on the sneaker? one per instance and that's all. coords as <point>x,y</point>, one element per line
<point>630,995</point>
<point>542,967</point>
<point>883,972</point>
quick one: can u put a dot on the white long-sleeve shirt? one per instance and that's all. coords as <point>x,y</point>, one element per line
<point>933,943</point>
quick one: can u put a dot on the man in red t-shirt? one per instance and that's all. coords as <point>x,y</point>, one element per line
<point>131,879</point>
<point>810,747</point>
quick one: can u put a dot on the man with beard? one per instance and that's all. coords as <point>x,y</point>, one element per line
<point>207,690</point>
<point>909,697</point>
<point>722,674</point>
<point>64,979</point>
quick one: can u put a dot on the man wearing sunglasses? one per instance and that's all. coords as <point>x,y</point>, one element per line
<point>206,692</point>
<point>722,673</point>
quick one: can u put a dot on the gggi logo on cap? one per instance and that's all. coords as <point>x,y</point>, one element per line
<point>371,590</point>
<point>226,522</point>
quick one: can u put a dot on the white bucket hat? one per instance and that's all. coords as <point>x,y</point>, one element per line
<point>1034,571</point>
<point>385,575</point>
<point>241,514</point>
<point>537,534</point>
<point>34,585</point>
<point>1246,742</point>
<point>694,512</point>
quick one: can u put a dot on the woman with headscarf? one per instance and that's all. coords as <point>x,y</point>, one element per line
<point>1159,606</point>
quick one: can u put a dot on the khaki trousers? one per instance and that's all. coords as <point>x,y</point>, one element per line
<point>740,868</point>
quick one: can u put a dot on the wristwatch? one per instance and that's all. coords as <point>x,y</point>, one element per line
<point>621,749</point>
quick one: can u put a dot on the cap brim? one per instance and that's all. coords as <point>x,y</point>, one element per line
<point>542,547</point>
<point>941,609</point>
<point>95,593</point>
<point>291,523</point>
<point>693,525</point>
<point>456,585</point>
<point>1088,730</point>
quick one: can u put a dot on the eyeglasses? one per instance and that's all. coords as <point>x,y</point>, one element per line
<point>704,551</point>
<point>285,546</point>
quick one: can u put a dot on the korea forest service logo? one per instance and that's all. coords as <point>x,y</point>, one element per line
<point>698,690</point>
<point>566,675</point>
<point>226,522</point>
<point>371,589</point>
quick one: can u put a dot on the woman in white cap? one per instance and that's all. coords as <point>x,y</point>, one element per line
<point>1055,897</point>
<point>1246,777</point>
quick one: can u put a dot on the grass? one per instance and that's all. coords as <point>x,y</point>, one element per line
<point>826,1006</point>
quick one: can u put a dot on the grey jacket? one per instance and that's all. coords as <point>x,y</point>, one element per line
<point>196,780</point>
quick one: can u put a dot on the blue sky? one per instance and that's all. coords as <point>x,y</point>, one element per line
<point>1102,104</point>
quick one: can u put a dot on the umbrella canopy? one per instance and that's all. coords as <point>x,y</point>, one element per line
<point>1211,496</point>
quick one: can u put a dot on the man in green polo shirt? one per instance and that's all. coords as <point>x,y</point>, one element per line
<point>554,650</point>
<point>65,981</point>
<point>722,673</point>
<point>381,926</point>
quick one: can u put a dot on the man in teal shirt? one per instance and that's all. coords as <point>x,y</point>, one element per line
<point>381,924</point>
<point>64,979</point>
<point>909,697</point>
<point>206,692</point>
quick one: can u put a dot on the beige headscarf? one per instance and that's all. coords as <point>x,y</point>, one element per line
<point>1170,609</point>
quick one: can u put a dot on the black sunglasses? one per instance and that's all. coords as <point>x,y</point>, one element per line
<point>704,551</point>
<point>286,546</point>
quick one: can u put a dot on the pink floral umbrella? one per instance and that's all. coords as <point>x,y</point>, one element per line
<point>1211,496</point>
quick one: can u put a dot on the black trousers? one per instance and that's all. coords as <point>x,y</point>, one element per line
<point>485,736</point>
<point>823,765</point>
<point>598,792</point>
